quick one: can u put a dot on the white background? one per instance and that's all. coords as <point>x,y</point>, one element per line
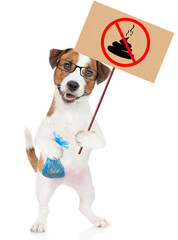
<point>136,174</point>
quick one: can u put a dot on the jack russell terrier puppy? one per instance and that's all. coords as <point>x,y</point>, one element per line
<point>69,115</point>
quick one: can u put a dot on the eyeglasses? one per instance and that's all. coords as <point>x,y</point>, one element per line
<point>70,67</point>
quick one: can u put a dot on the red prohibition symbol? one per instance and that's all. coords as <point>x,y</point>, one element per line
<point>116,23</point>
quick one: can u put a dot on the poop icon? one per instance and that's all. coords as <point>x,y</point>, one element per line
<point>119,49</point>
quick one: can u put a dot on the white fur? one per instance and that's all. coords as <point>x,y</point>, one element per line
<point>89,139</point>
<point>71,121</point>
<point>28,138</point>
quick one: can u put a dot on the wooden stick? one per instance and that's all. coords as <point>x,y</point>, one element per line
<point>100,101</point>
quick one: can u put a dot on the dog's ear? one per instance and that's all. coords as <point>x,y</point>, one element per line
<point>55,54</point>
<point>103,72</point>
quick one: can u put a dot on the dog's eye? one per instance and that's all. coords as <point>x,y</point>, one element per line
<point>89,73</point>
<point>67,66</point>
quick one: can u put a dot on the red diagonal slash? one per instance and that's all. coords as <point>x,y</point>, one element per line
<point>125,42</point>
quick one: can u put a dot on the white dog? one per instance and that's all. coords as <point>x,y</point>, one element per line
<point>69,115</point>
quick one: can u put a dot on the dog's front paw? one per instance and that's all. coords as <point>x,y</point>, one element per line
<point>84,138</point>
<point>89,139</point>
<point>53,150</point>
<point>38,228</point>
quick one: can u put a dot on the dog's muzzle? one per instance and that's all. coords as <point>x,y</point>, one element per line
<point>67,96</point>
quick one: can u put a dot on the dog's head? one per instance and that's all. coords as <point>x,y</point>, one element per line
<point>76,74</point>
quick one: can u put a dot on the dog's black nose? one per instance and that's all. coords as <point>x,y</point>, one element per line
<point>72,86</point>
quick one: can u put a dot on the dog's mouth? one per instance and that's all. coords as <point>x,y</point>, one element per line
<point>68,97</point>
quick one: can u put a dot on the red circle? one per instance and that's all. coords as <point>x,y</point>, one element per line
<point>127,64</point>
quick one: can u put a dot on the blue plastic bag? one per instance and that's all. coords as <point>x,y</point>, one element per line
<point>54,168</point>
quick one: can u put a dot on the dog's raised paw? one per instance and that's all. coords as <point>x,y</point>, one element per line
<point>53,151</point>
<point>85,138</point>
<point>38,228</point>
<point>101,223</point>
<point>89,139</point>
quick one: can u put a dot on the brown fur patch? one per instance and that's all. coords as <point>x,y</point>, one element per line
<point>104,72</point>
<point>51,109</point>
<point>41,163</point>
<point>32,158</point>
<point>55,54</point>
<point>90,83</point>
<point>59,75</point>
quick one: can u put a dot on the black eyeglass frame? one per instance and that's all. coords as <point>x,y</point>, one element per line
<point>76,66</point>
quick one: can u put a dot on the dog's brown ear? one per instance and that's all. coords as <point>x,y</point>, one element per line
<point>55,54</point>
<point>103,72</point>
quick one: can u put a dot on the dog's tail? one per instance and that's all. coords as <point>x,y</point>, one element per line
<point>31,150</point>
